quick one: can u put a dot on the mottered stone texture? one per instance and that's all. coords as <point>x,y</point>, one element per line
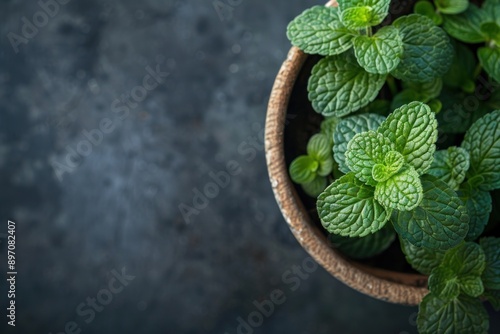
<point>113,114</point>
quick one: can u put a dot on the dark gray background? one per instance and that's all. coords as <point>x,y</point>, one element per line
<point>119,207</point>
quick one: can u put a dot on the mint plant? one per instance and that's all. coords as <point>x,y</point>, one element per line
<point>396,159</point>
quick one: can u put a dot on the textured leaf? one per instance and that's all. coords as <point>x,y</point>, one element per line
<point>482,141</point>
<point>490,60</point>
<point>440,221</point>
<point>421,259</point>
<point>303,169</point>
<point>315,187</point>
<point>427,54</point>
<point>346,129</point>
<point>365,247</point>
<point>379,8</point>
<point>320,149</point>
<point>460,270</point>
<point>402,191</point>
<point>460,315</point>
<point>347,208</point>
<point>358,17</point>
<point>450,166</point>
<point>491,274</point>
<point>452,6</point>
<point>393,162</point>
<point>413,128</point>
<point>366,150</point>
<point>339,86</point>
<point>380,53</point>
<point>466,27</point>
<point>318,30</point>
<point>479,207</point>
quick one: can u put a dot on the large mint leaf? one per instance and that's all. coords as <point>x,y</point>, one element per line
<point>380,53</point>
<point>303,169</point>
<point>413,128</point>
<point>315,187</point>
<point>339,86</point>
<point>346,129</point>
<point>466,27</point>
<point>460,315</point>
<point>427,51</point>
<point>491,274</point>
<point>482,141</point>
<point>366,150</point>
<point>450,166</point>
<point>320,149</point>
<point>490,60</point>
<point>365,247</point>
<point>347,208</point>
<point>440,221</point>
<point>378,9</point>
<point>421,259</point>
<point>460,271</point>
<point>318,30</point>
<point>452,6</point>
<point>402,191</point>
<point>478,203</point>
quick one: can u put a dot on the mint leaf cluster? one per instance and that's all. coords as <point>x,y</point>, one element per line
<point>358,61</point>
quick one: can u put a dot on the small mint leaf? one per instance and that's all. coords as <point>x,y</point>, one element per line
<point>444,283</point>
<point>450,166</point>
<point>427,51</point>
<point>366,150</point>
<point>346,129</point>
<point>328,127</point>
<point>491,274</point>
<point>490,60</point>
<point>452,6</point>
<point>358,17</point>
<point>393,162</point>
<point>380,53</point>
<point>402,191</point>
<point>413,128</point>
<point>482,141</point>
<point>427,90</point>
<point>421,259</point>
<point>347,208</point>
<point>466,27</point>
<point>320,149</point>
<point>339,86</point>
<point>478,203</point>
<point>379,9</point>
<point>460,315</point>
<point>318,30</point>
<point>440,222</point>
<point>303,169</point>
<point>365,247</point>
<point>315,187</point>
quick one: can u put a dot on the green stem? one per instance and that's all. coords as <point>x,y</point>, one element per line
<point>392,85</point>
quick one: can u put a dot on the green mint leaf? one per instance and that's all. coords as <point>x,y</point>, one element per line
<point>491,274</point>
<point>365,247</point>
<point>426,8</point>
<point>346,129</point>
<point>466,27</point>
<point>366,150</point>
<point>338,86</point>
<point>452,6</point>
<point>318,30</point>
<point>493,296</point>
<point>328,126</point>
<point>450,166</point>
<point>461,73</point>
<point>347,208</point>
<point>490,60</point>
<point>492,8</point>
<point>460,270</point>
<point>460,315</point>
<point>482,141</point>
<point>479,207</point>
<point>315,187</point>
<point>413,128</point>
<point>379,10</point>
<point>380,53</point>
<point>393,162</point>
<point>406,96</point>
<point>402,191</point>
<point>491,30</point>
<point>427,51</point>
<point>358,17</point>
<point>435,105</point>
<point>421,259</point>
<point>428,90</point>
<point>303,169</point>
<point>320,149</point>
<point>440,222</point>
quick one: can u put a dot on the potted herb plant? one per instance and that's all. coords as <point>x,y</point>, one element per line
<point>387,120</point>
